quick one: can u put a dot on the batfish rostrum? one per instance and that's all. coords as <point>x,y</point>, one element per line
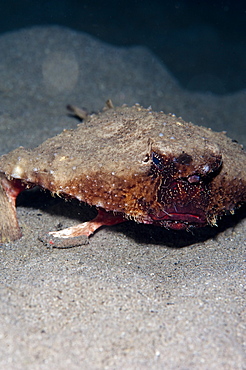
<point>132,164</point>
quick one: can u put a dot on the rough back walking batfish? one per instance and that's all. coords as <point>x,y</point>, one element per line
<point>131,163</point>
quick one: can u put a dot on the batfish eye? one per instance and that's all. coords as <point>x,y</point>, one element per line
<point>194,179</point>
<point>157,160</point>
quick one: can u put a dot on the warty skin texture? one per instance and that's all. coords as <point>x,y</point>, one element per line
<point>135,164</point>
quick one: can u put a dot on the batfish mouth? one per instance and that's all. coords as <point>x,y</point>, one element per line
<point>179,218</point>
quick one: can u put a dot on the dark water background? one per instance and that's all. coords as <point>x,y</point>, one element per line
<point>203,43</point>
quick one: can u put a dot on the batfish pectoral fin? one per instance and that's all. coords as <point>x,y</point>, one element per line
<point>9,227</point>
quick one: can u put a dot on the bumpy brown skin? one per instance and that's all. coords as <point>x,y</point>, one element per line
<point>137,164</point>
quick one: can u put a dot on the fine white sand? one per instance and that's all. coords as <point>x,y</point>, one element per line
<point>135,297</point>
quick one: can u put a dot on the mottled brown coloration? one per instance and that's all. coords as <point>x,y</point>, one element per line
<point>134,164</point>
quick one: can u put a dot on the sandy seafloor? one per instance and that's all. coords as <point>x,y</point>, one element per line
<point>135,297</point>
